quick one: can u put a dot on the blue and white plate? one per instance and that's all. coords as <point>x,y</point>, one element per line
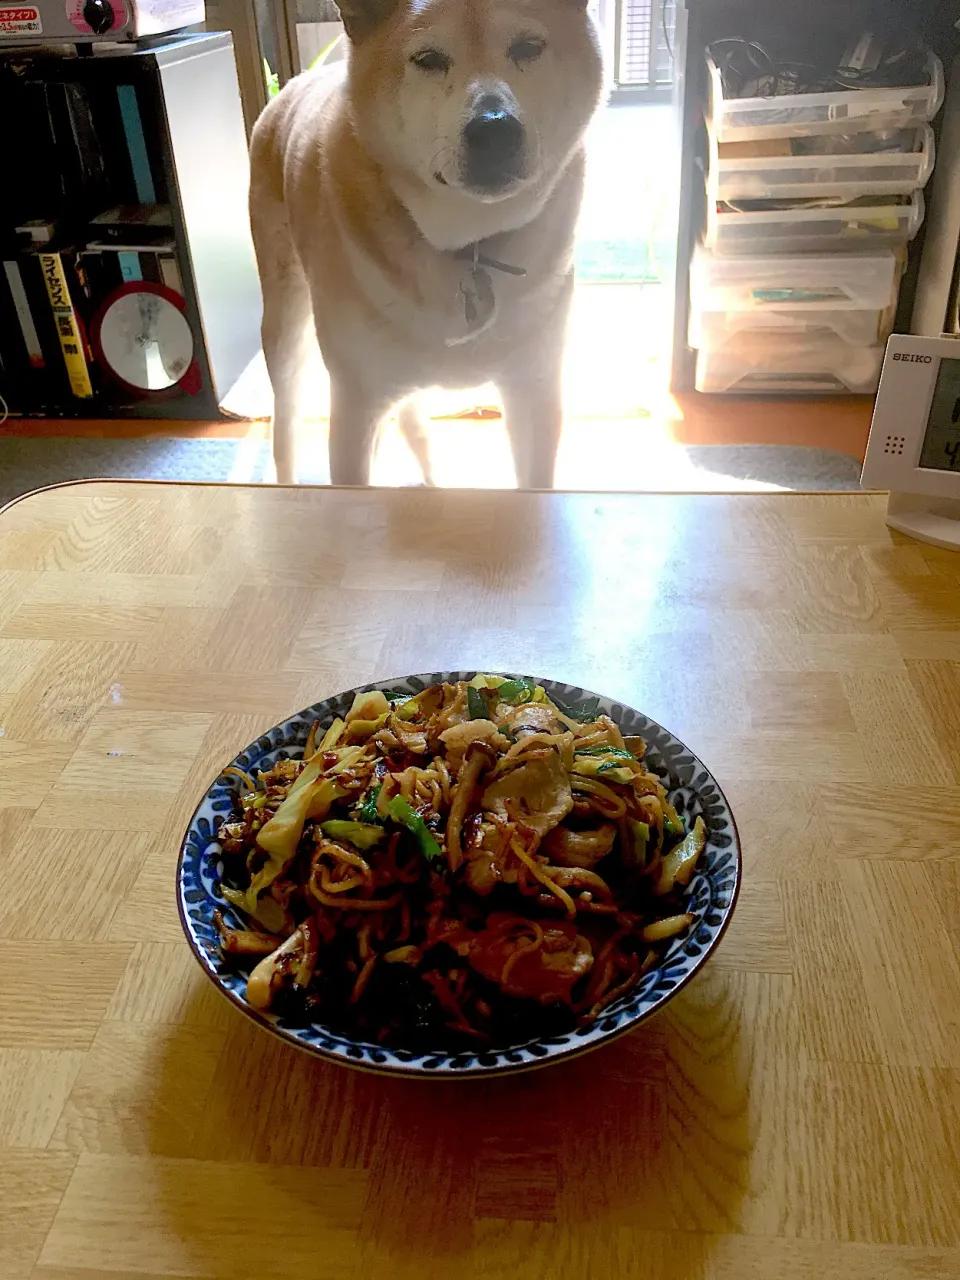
<point>710,896</point>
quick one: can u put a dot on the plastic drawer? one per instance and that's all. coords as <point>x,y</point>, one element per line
<point>837,281</point>
<point>717,329</point>
<point>770,364</point>
<point>814,175</point>
<point>805,229</point>
<point>809,114</point>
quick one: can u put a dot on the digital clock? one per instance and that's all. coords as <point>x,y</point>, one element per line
<point>914,445</point>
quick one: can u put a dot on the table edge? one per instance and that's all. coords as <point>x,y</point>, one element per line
<point>594,493</point>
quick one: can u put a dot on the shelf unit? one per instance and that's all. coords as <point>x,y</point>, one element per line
<point>800,189</point>
<point>135,168</point>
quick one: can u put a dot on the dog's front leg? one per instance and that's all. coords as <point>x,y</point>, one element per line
<point>533,408</point>
<point>413,425</point>
<point>287,338</point>
<point>530,383</point>
<point>355,417</point>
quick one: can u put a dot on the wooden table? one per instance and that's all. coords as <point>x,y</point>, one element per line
<point>793,1115</point>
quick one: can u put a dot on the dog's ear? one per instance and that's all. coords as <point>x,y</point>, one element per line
<point>360,17</point>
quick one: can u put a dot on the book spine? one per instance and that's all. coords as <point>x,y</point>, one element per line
<point>21,304</point>
<point>170,274</point>
<point>130,266</point>
<point>150,268</point>
<point>68,327</point>
<point>136,143</point>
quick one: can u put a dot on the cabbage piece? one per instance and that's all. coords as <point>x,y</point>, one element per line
<point>332,736</point>
<point>672,822</point>
<point>362,835</point>
<point>267,911</point>
<point>324,794</point>
<point>347,757</point>
<point>307,775</point>
<point>605,768</point>
<point>280,836</point>
<point>368,706</point>
<point>678,866</point>
<point>481,681</point>
<point>517,691</point>
<point>612,752</point>
<point>634,838</point>
<point>361,730</point>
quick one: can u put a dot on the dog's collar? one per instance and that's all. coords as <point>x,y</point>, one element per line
<point>476,290</point>
<point>473,254</point>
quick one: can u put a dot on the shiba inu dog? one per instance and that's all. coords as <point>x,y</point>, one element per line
<point>415,208</point>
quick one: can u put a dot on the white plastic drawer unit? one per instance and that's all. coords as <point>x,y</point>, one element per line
<point>893,163</point>
<point>844,281</point>
<point>865,225</point>
<point>836,111</point>
<point>775,364</point>
<point>716,329</point>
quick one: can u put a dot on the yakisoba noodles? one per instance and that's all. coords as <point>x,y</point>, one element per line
<point>469,866</point>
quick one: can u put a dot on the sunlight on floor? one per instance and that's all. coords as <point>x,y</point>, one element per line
<point>616,362</point>
<point>595,453</point>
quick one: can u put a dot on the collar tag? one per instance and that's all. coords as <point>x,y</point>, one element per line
<point>472,253</point>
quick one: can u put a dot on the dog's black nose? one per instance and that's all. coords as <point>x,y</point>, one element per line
<point>493,145</point>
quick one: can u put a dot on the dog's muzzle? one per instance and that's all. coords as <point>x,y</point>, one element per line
<point>493,147</point>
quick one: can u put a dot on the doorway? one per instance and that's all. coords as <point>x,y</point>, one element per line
<point>619,348</point>
<point>617,364</point>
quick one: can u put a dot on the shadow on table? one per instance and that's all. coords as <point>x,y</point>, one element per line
<point>623,1162</point>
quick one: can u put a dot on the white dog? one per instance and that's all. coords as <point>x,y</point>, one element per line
<point>418,212</point>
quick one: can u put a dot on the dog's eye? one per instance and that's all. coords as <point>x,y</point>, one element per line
<point>431,60</point>
<point>526,49</point>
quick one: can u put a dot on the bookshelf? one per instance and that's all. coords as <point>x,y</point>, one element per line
<point>128,285</point>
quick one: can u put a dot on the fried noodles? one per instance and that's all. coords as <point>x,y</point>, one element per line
<point>472,865</point>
